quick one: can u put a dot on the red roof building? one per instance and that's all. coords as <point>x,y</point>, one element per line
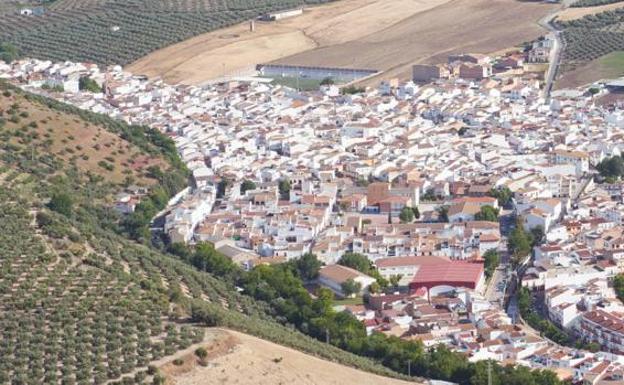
<point>455,273</point>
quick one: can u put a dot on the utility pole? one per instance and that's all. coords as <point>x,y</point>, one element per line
<point>409,368</point>
<point>327,336</point>
<point>489,372</point>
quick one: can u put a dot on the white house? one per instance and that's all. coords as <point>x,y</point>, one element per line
<point>333,276</point>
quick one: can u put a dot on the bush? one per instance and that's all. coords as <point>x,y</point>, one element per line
<point>201,353</point>
<point>61,203</point>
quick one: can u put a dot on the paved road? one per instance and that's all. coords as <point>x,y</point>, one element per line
<point>579,191</point>
<point>495,291</point>
<point>555,54</point>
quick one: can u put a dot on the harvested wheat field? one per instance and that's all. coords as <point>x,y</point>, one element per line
<point>236,358</point>
<point>389,35</point>
<point>478,26</point>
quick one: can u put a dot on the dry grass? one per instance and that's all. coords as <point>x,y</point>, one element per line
<point>243,359</point>
<point>389,35</point>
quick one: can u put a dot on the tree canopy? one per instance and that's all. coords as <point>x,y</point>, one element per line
<point>491,260</point>
<point>519,242</point>
<point>350,287</point>
<point>308,266</point>
<point>246,186</point>
<point>61,203</point>
<point>8,52</point>
<point>284,189</point>
<point>502,194</point>
<point>87,84</point>
<point>612,167</point>
<point>487,213</point>
<point>407,215</point>
<point>443,213</point>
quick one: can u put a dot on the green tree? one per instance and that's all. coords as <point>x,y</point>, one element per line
<point>407,215</point>
<point>350,287</point>
<point>611,167</point>
<point>61,203</point>
<point>502,194</point>
<point>395,279</point>
<point>222,187</point>
<point>85,83</point>
<point>429,195</point>
<point>519,243</point>
<point>416,212</point>
<point>327,81</point>
<point>308,266</point>
<point>443,213</point>
<point>618,286</point>
<point>374,288</point>
<point>359,262</point>
<point>537,235</point>
<point>491,260</point>
<point>206,258</point>
<point>246,186</point>
<point>8,52</point>
<point>284,189</point>
<point>487,213</point>
<point>201,353</point>
<point>362,264</point>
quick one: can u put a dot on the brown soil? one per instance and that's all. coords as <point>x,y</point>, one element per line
<point>242,359</point>
<point>388,35</point>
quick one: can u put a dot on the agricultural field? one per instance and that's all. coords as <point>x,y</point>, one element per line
<point>606,67</point>
<point>591,37</point>
<point>576,13</point>
<point>388,35</point>
<point>592,3</point>
<point>79,302</point>
<point>85,145</point>
<point>119,32</point>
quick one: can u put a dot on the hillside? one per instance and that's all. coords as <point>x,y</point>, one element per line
<point>119,32</point>
<point>237,358</point>
<point>32,129</point>
<point>589,38</point>
<point>81,304</point>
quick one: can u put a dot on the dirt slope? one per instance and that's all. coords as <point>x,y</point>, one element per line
<point>236,358</point>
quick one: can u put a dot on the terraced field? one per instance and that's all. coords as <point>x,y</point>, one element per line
<point>119,32</point>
